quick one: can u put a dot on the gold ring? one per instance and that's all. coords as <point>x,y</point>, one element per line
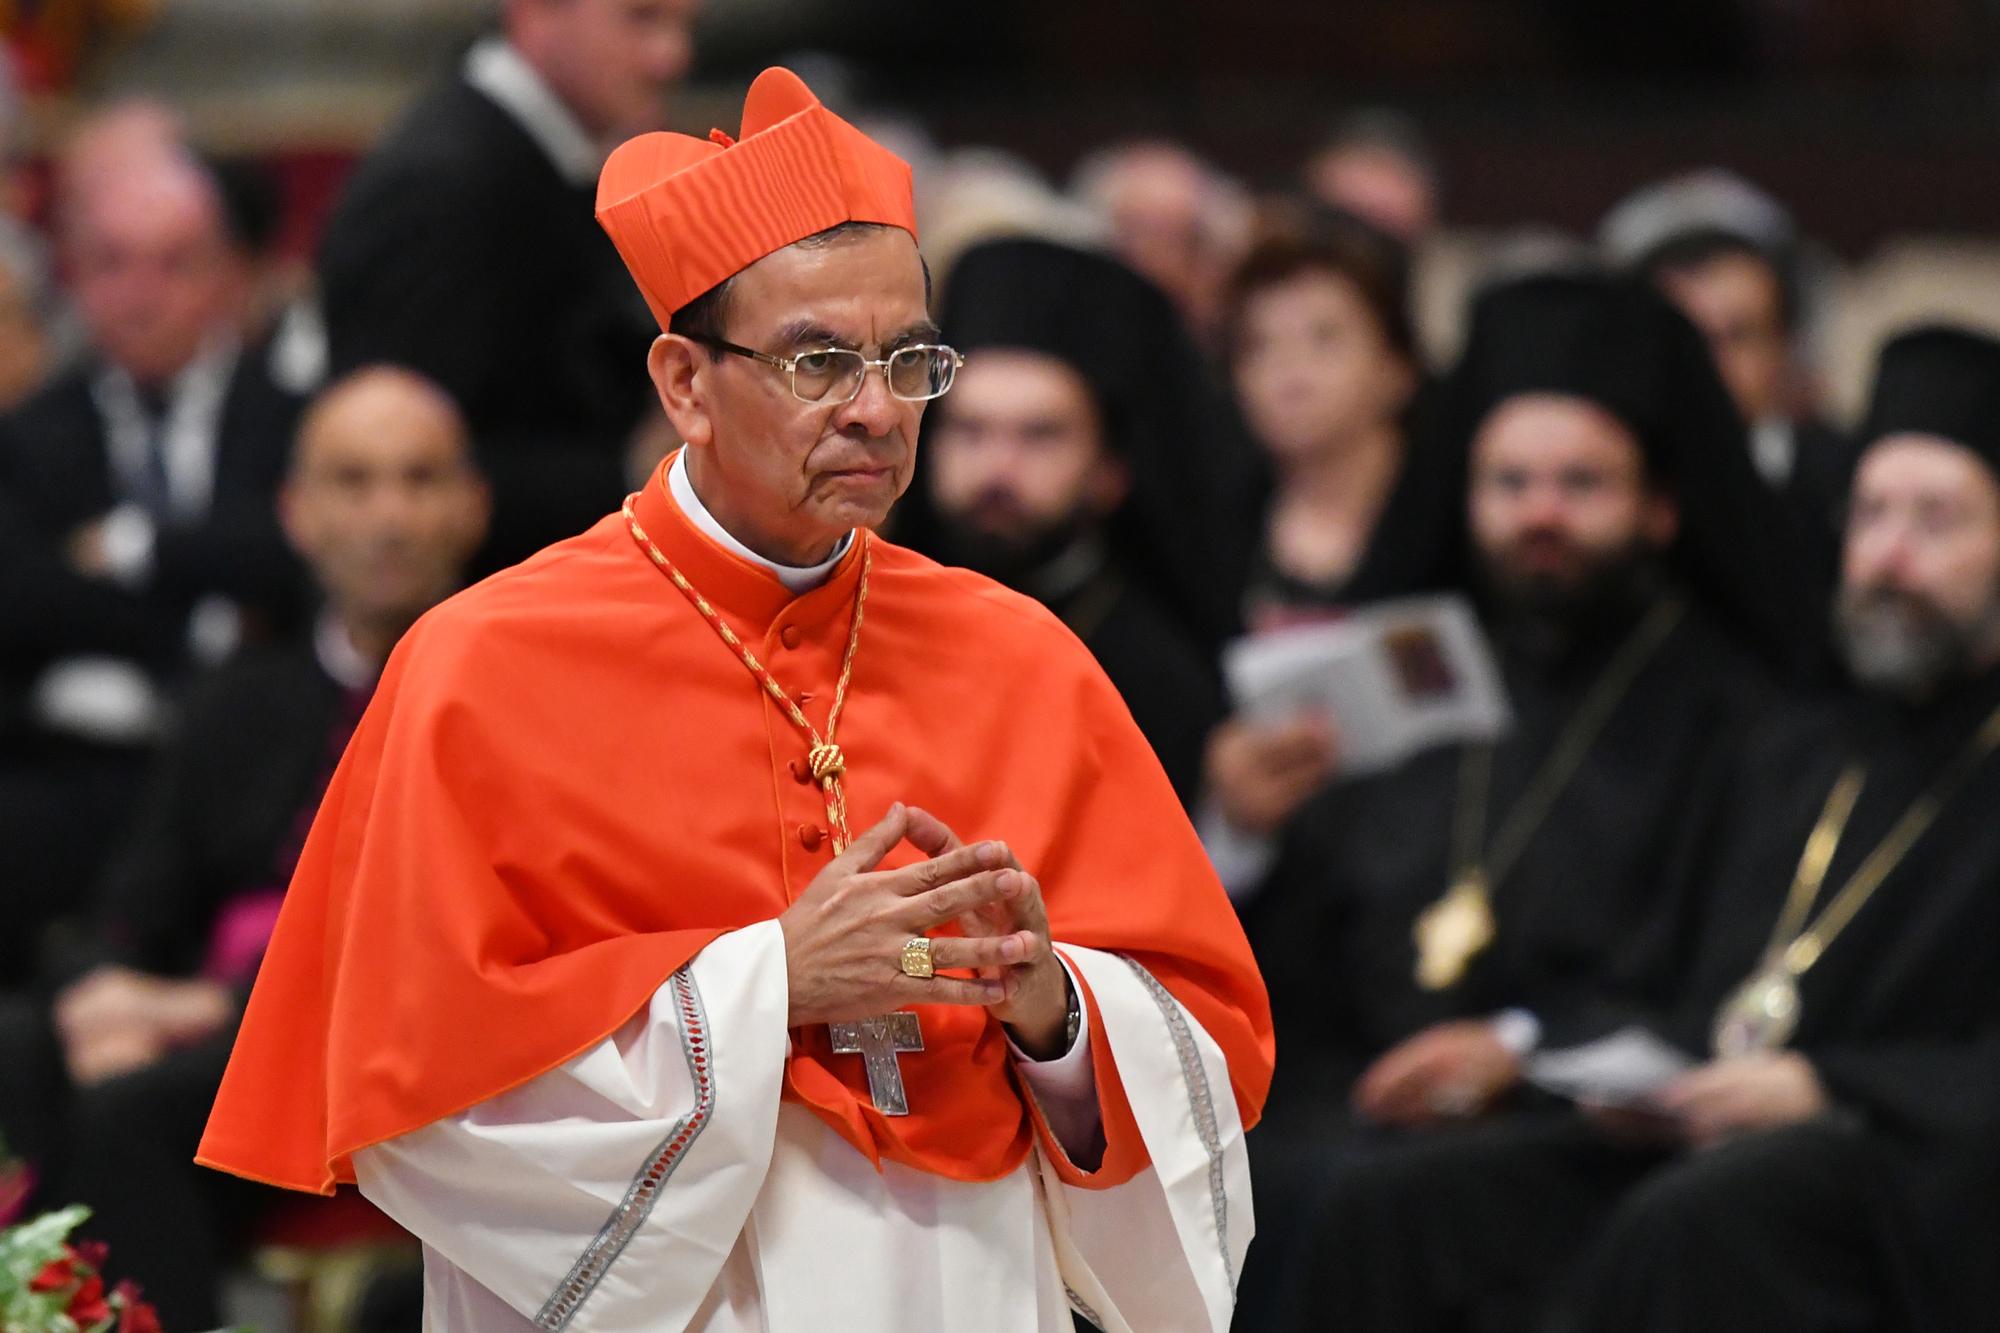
<point>917,958</point>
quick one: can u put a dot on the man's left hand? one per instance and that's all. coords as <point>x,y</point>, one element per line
<point>1729,1097</point>
<point>1444,1072</point>
<point>1036,1009</point>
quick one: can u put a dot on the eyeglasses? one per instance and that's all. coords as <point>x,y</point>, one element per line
<point>914,374</point>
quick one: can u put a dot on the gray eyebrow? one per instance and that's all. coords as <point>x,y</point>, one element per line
<point>810,333</point>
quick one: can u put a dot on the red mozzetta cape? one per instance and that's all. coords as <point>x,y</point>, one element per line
<point>566,786</point>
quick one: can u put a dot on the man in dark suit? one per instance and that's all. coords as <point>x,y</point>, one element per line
<point>465,248</point>
<point>109,1091</point>
<point>136,530</point>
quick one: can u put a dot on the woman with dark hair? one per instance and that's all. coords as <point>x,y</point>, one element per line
<point>1325,366</point>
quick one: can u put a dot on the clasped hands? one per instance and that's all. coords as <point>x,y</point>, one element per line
<point>1459,1069</point>
<point>845,934</point>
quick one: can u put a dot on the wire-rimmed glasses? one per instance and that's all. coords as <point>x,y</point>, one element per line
<point>915,374</point>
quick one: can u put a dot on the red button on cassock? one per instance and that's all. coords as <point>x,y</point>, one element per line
<point>789,636</point>
<point>811,836</point>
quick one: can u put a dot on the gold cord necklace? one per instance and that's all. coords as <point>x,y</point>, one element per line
<point>823,755</point>
<point>1458,927</point>
<point>1763,1013</point>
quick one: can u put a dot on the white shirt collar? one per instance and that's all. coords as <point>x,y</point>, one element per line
<point>191,440</point>
<point>796,578</point>
<point>343,663</point>
<point>495,68</point>
<point>1774,450</point>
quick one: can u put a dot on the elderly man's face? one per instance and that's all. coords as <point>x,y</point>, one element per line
<point>1920,580</point>
<point>789,478</point>
<point>152,270</point>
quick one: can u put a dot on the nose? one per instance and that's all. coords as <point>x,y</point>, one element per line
<point>1543,506</point>
<point>1880,553</point>
<point>873,412</point>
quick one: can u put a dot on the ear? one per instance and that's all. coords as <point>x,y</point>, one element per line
<point>1399,380</point>
<point>291,517</point>
<point>1661,519</point>
<point>476,514</point>
<point>679,369</point>
<point>1110,483</point>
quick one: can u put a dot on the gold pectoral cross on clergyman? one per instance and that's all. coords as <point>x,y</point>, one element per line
<point>878,1041</point>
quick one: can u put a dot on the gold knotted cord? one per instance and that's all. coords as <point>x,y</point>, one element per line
<point>823,756</point>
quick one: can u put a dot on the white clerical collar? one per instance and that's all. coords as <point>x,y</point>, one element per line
<point>344,664</point>
<point>796,578</point>
<point>495,68</point>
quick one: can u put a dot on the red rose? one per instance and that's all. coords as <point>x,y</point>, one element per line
<point>134,1315</point>
<point>88,1306</point>
<point>55,1275</point>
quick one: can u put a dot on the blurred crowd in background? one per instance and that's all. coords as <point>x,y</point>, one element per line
<point>1674,360</point>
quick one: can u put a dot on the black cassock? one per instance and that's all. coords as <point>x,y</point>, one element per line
<point>1332,926</point>
<point>1158,667</point>
<point>457,249</point>
<point>1884,1214</point>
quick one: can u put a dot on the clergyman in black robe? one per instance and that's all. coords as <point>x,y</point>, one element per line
<point>1587,486</point>
<point>1833,1162</point>
<point>1064,463</point>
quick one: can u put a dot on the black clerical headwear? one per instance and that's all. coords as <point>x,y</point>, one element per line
<point>1939,380</point>
<point>1161,411</point>
<point>1619,344</point>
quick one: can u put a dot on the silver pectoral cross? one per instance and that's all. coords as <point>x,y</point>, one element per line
<point>878,1041</point>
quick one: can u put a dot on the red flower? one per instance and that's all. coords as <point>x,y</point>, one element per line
<point>55,1275</point>
<point>91,1254</point>
<point>134,1315</point>
<point>88,1306</point>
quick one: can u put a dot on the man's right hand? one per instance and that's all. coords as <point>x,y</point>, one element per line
<point>844,936</point>
<point>116,1019</point>
<point>1260,773</point>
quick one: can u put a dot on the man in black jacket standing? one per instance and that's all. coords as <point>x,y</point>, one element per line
<point>465,249</point>
<point>137,536</point>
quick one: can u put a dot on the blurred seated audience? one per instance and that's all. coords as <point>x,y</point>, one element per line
<point>1376,165</point>
<point>1730,257</point>
<point>136,528</point>
<point>1175,219</point>
<point>1326,372</point>
<point>109,1088</point>
<point>1062,463</point>
<point>1824,954</point>
<point>1585,485</point>
<point>465,247</point>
